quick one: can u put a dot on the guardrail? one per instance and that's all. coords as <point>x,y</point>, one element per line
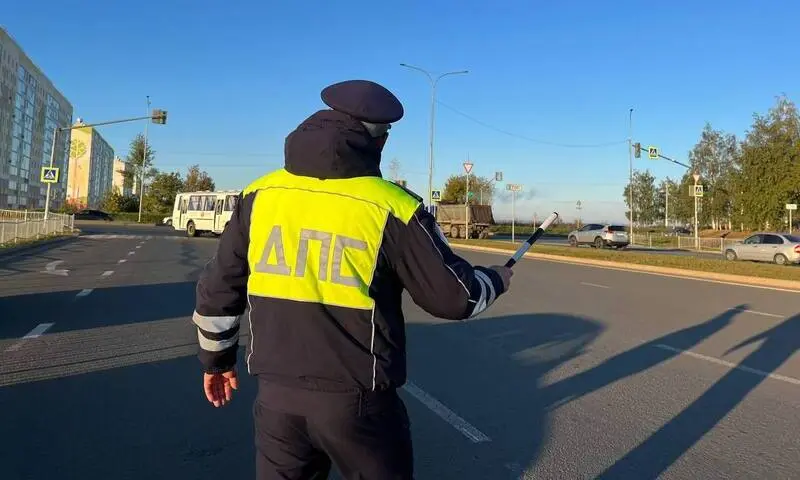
<point>20,225</point>
<point>659,240</point>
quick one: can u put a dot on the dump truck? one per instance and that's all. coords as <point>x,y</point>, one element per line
<point>451,219</point>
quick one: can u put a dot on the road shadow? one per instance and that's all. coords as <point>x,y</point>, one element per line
<point>636,360</point>
<point>131,304</point>
<point>657,453</point>
<point>489,370</point>
<point>149,420</point>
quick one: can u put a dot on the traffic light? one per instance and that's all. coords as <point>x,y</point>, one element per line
<point>637,150</point>
<point>159,116</point>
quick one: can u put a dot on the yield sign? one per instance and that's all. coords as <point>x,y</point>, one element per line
<point>468,167</point>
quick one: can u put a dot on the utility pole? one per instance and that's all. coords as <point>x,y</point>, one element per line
<point>666,204</point>
<point>144,162</point>
<point>434,82</point>
<point>578,208</point>
<point>630,172</point>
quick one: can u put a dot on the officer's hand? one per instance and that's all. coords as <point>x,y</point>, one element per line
<point>219,387</point>
<point>505,273</point>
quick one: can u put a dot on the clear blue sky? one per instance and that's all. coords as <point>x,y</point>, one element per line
<point>237,79</point>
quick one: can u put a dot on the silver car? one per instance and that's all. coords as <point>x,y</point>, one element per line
<point>780,248</point>
<point>599,235</point>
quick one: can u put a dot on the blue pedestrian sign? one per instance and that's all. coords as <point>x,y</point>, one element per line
<point>436,195</point>
<point>49,175</point>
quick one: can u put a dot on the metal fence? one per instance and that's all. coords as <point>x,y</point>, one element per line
<point>21,225</point>
<point>659,240</point>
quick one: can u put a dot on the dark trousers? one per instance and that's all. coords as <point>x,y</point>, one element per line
<point>299,434</point>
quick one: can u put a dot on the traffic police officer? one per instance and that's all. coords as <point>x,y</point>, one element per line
<point>320,252</point>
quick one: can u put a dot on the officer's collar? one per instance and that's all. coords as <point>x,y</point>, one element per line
<point>330,144</point>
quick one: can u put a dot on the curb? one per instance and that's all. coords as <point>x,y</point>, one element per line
<point>792,285</point>
<point>11,252</point>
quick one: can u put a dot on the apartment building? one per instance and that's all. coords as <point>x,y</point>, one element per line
<point>118,183</point>
<point>91,167</point>
<point>30,109</point>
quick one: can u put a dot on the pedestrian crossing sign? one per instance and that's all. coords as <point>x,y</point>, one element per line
<point>49,175</point>
<point>436,195</point>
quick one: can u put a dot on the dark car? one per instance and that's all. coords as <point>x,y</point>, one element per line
<point>93,215</point>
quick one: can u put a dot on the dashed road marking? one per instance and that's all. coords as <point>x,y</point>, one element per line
<point>466,429</point>
<point>732,365</point>
<point>121,261</point>
<point>131,252</point>
<point>107,273</point>
<point>138,247</point>
<point>756,312</point>
<point>84,292</point>
<point>594,285</point>
<point>36,332</point>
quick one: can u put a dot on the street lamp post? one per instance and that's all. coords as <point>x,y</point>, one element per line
<point>434,82</point>
<point>144,161</point>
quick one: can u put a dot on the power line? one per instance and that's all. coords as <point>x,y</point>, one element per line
<point>523,137</point>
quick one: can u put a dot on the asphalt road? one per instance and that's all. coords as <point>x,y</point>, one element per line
<point>578,372</point>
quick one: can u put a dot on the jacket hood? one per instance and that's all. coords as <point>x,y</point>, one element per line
<point>331,144</point>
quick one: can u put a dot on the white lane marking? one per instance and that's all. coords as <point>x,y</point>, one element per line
<point>628,270</point>
<point>121,261</point>
<point>107,273</point>
<point>36,332</point>
<point>131,252</point>
<point>594,285</point>
<point>472,433</point>
<point>51,269</point>
<point>718,361</point>
<point>84,292</point>
<point>756,312</point>
<point>138,247</point>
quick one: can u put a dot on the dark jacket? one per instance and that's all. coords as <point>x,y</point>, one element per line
<point>326,347</point>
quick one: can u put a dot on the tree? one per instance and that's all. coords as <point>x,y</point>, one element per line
<point>645,204</point>
<point>482,189</point>
<point>136,161</point>
<point>160,195</point>
<point>115,202</point>
<point>716,158</point>
<point>394,169</point>
<point>197,181</point>
<point>769,175</point>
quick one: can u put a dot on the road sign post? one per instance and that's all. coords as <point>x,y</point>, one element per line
<point>467,168</point>
<point>513,188</point>
<point>790,207</point>
<point>696,177</point>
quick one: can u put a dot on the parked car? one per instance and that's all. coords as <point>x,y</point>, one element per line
<point>93,215</point>
<point>677,232</point>
<point>780,248</point>
<point>600,235</point>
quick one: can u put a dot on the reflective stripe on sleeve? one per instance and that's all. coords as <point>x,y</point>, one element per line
<point>215,324</point>
<point>216,345</point>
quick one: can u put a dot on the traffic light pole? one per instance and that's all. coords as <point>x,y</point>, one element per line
<point>158,116</point>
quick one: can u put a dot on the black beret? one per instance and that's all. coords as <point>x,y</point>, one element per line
<point>363,100</point>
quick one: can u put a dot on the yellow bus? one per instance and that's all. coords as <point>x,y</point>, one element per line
<point>199,212</point>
